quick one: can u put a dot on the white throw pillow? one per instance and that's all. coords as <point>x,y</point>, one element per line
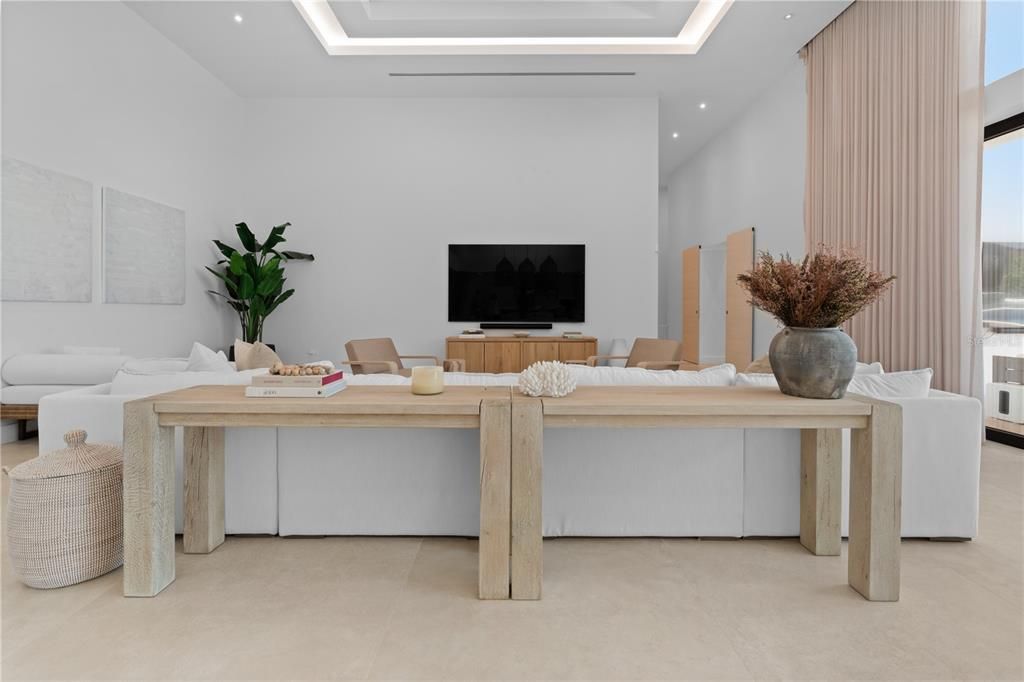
<point>911,384</point>
<point>203,359</point>
<point>869,368</point>
<point>720,375</point>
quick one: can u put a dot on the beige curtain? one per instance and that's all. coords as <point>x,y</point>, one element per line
<point>893,171</point>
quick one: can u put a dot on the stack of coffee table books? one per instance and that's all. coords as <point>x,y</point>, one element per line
<point>278,386</point>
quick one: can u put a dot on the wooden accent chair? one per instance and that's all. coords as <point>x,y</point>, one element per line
<point>648,354</point>
<point>379,356</point>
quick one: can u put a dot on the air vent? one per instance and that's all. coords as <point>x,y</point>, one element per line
<point>508,74</point>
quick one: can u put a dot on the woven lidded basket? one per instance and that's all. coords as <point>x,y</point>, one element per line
<point>64,522</point>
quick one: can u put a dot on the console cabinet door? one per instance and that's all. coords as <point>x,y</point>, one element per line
<point>502,356</point>
<point>536,351</point>
<point>472,352</point>
<point>576,350</point>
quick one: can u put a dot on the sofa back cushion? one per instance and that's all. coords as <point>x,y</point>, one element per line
<point>911,384</point>
<point>125,383</point>
<point>720,375</point>
<point>57,368</point>
<point>151,366</point>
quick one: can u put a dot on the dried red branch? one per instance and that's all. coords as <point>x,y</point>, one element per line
<point>824,290</point>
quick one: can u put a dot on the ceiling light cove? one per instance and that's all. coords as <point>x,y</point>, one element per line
<point>325,25</point>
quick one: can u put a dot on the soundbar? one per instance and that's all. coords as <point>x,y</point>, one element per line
<point>515,325</point>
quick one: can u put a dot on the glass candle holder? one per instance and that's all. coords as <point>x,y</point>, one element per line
<point>427,380</point>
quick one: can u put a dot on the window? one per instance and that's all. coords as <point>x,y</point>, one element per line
<point>1004,38</point>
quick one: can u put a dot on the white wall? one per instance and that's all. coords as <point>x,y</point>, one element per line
<point>378,188</point>
<point>752,174</point>
<point>664,260</point>
<point>91,90</point>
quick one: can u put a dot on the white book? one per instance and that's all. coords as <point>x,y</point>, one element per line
<point>295,391</point>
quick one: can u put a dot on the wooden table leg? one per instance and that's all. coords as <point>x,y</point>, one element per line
<point>204,489</point>
<point>148,501</point>
<point>527,497</point>
<point>495,497</point>
<point>821,481</point>
<point>876,468</point>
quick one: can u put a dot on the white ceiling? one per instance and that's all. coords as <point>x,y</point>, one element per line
<point>273,53</point>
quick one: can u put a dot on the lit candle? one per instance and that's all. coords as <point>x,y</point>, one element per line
<point>427,380</point>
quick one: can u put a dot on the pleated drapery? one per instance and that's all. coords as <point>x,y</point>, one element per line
<point>893,171</point>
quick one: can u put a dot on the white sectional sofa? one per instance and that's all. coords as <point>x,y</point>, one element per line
<point>597,482</point>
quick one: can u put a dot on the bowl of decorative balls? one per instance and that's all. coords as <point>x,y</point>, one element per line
<point>313,380</point>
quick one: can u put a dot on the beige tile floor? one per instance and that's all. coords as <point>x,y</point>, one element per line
<point>405,608</point>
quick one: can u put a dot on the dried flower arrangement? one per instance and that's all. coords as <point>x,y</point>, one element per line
<point>824,290</point>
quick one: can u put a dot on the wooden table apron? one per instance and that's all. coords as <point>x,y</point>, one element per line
<point>205,411</point>
<point>875,466</point>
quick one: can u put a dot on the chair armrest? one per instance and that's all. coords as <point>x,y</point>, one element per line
<point>421,357</point>
<point>391,365</point>
<point>592,360</point>
<point>676,364</point>
<point>575,362</point>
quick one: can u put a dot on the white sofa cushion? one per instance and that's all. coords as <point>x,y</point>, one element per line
<point>720,375</point>
<point>203,359</point>
<point>470,379</point>
<point>91,350</point>
<point>910,384</point>
<point>377,380</point>
<point>151,366</point>
<point>61,370</point>
<point>151,384</point>
<point>30,395</point>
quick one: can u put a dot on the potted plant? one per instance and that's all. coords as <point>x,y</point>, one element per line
<point>254,277</point>
<point>812,357</point>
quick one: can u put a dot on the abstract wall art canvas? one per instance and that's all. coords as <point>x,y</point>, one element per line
<point>47,235</point>
<point>143,250</point>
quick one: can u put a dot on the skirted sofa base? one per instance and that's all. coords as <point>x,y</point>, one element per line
<point>597,482</point>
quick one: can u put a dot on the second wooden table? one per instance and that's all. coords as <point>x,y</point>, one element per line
<point>875,465</point>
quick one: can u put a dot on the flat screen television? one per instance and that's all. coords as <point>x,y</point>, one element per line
<point>516,282</point>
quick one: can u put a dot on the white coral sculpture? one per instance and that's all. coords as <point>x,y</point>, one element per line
<point>553,379</point>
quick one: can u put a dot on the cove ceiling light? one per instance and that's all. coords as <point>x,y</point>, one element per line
<point>324,23</point>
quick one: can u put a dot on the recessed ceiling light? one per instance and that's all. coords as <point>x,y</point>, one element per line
<point>788,16</point>
<point>702,105</point>
<point>675,135</point>
<point>238,18</point>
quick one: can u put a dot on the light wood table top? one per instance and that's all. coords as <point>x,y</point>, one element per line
<point>712,406</point>
<point>456,407</point>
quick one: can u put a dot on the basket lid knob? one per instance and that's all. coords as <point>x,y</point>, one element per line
<point>75,437</point>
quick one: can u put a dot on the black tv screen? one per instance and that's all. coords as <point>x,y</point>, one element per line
<point>516,282</point>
